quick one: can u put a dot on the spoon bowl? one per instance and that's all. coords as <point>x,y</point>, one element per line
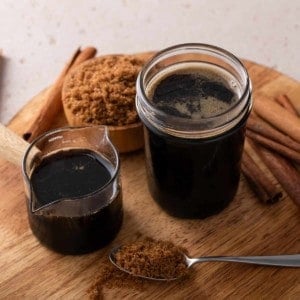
<point>112,259</point>
<point>290,260</point>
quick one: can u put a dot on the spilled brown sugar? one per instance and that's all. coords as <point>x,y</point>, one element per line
<point>109,277</point>
<point>147,257</point>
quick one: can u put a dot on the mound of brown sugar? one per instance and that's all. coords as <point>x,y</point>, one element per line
<point>152,258</point>
<point>102,91</point>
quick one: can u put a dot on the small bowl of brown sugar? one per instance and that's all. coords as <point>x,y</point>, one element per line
<point>101,91</point>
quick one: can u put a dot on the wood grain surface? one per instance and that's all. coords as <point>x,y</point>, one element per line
<point>246,227</point>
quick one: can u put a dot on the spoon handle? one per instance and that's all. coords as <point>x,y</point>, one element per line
<point>12,147</point>
<point>292,260</point>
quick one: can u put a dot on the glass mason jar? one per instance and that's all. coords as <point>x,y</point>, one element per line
<point>194,101</point>
<point>73,189</point>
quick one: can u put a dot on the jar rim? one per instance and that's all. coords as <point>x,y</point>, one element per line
<point>191,48</point>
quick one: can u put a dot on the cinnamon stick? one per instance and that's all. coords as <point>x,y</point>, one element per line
<point>275,146</point>
<point>285,102</point>
<point>273,139</point>
<point>281,119</point>
<point>258,125</point>
<point>284,171</point>
<point>262,186</point>
<point>53,103</point>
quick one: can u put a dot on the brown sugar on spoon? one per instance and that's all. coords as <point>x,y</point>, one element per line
<point>153,258</point>
<point>102,91</point>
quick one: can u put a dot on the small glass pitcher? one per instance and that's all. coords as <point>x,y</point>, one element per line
<point>73,217</point>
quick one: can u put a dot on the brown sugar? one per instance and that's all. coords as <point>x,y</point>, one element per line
<point>152,258</point>
<point>147,257</point>
<point>102,91</point>
<point>109,277</point>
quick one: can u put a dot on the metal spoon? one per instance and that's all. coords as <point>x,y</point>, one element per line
<point>292,260</point>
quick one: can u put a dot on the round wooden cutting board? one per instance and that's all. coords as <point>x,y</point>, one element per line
<point>246,227</point>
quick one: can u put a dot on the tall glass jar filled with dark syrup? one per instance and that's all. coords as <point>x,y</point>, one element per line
<point>194,101</point>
